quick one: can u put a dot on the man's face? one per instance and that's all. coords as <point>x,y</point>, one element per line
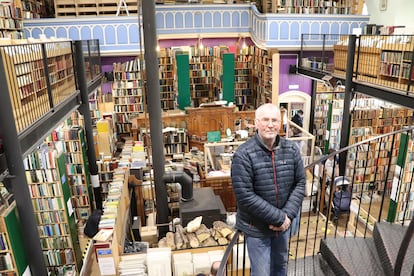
<point>268,125</point>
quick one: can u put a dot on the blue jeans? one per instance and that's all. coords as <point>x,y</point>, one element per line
<point>268,256</point>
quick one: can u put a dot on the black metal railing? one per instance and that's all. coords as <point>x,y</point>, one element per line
<point>374,169</point>
<point>382,60</point>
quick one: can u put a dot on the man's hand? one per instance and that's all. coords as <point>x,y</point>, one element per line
<point>285,226</point>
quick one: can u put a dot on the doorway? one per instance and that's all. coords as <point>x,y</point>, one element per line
<point>294,101</point>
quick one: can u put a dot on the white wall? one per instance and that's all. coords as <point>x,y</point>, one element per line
<point>398,13</point>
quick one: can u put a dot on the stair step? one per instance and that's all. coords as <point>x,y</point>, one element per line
<point>309,266</point>
<point>352,256</point>
<point>388,238</point>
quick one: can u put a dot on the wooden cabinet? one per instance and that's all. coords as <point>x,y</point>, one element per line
<point>204,119</point>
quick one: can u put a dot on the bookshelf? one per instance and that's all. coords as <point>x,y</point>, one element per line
<point>395,63</point>
<point>368,163</point>
<point>383,60</point>
<point>175,141</point>
<point>127,93</point>
<point>244,96</point>
<point>13,259</point>
<point>168,94</point>
<point>201,75</point>
<point>310,7</point>
<point>32,8</point>
<point>401,207</point>
<point>262,75</point>
<point>11,20</point>
<point>106,167</point>
<point>105,136</point>
<point>114,218</point>
<point>28,79</point>
<point>74,148</point>
<point>51,200</point>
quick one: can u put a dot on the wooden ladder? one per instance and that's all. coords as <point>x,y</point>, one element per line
<point>122,5</point>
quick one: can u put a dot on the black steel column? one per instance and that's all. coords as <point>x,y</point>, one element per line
<point>154,110</point>
<point>84,110</point>
<point>347,103</point>
<point>19,185</point>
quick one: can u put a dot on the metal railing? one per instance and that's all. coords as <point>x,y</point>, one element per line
<point>382,60</point>
<point>374,169</point>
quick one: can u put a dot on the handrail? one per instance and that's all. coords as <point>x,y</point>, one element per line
<point>404,248</point>
<point>322,218</point>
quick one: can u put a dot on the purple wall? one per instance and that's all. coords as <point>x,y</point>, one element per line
<point>301,83</point>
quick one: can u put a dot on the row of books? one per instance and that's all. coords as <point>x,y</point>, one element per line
<point>51,230</point>
<point>55,216</point>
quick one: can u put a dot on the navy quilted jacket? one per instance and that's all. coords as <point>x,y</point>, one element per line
<point>267,184</point>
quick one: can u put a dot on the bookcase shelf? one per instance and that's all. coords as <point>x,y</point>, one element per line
<point>11,20</point>
<point>201,74</point>
<point>370,162</point>
<point>175,141</point>
<point>382,60</point>
<point>244,96</point>
<point>167,78</point>
<point>73,144</point>
<point>13,260</point>
<point>50,193</point>
<point>310,7</point>
<point>106,167</point>
<point>127,92</point>
<point>28,79</point>
<point>262,75</point>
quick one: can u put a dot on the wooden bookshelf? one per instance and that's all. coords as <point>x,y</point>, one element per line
<point>13,259</point>
<point>244,96</point>
<point>175,141</point>
<point>382,60</point>
<point>310,6</point>
<point>128,93</point>
<point>11,20</point>
<point>72,140</point>
<point>168,94</point>
<point>262,74</point>
<point>34,8</point>
<point>201,75</point>
<point>368,163</point>
<point>50,192</point>
<point>105,136</point>
<point>114,218</point>
<point>27,78</point>
<point>395,62</point>
<point>66,8</point>
<point>106,167</point>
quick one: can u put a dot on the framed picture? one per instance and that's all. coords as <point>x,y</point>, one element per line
<point>383,5</point>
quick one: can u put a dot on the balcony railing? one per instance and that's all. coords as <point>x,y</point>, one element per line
<point>386,61</point>
<point>379,176</point>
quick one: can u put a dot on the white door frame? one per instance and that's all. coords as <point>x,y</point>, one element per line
<point>298,97</point>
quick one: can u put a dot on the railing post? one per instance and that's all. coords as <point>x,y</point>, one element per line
<point>347,103</point>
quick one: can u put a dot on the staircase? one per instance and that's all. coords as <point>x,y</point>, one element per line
<point>375,255</point>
